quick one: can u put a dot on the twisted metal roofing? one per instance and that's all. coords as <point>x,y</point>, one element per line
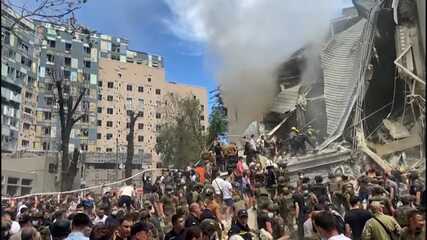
<point>286,100</point>
<point>340,61</point>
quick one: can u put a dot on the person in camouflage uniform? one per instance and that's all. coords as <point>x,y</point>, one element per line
<point>334,191</point>
<point>286,207</point>
<point>348,192</point>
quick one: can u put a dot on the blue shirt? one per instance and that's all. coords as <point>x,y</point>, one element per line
<point>76,236</point>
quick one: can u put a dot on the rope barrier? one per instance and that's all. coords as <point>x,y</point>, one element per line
<point>88,188</point>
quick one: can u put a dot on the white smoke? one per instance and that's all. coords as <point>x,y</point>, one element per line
<point>249,39</point>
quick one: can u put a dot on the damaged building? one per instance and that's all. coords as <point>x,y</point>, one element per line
<point>364,93</point>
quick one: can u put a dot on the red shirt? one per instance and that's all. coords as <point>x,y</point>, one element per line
<point>200,171</point>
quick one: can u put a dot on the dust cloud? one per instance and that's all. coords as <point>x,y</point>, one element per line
<point>249,39</point>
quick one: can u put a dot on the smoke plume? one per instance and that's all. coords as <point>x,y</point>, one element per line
<point>249,39</point>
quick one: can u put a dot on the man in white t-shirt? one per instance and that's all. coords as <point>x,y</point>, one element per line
<point>223,187</point>
<point>126,195</point>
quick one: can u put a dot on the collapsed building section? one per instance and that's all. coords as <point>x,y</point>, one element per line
<point>367,99</point>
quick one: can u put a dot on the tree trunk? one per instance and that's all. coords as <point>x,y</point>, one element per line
<point>130,146</point>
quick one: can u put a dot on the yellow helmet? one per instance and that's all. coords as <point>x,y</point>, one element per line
<point>295,129</point>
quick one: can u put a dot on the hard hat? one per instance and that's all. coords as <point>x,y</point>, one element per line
<point>295,129</point>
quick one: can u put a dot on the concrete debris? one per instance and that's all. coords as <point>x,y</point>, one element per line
<point>398,145</point>
<point>396,129</point>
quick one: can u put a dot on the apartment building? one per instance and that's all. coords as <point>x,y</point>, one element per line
<point>116,80</point>
<point>129,86</point>
<point>18,82</point>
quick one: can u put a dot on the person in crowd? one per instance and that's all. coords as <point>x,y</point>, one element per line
<point>177,232</point>
<point>240,227</point>
<point>416,229</point>
<point>194,216</point>
<point>79,225</point>
<point>380,226</point>
<point>126,194</point>
<point>326,226</point>
<point>123,231</point>
<point>355,219</point>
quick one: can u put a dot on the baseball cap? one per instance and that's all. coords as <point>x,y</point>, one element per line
<point>242,213</point>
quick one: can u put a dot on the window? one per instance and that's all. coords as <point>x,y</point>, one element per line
<point>67,47</point>
<point>83,147</point>
<point>158,127</point>
<point>99,83</point>
<point>45,146</point>
<point>49,86</point>
<point>12,180</point>
<point>140,138</point>
<point>99,96</point>
<point>194,97</point>
<point>86,76</point>
<point>28,110</point>
<point>85,118</point>
<point>49,100</point>
<point>109,150</point>
<point>67,74</point>
<point>26,125</point>
<point>110,98</point>
<point>140,126</point>
<point>47,131</point>
<point>203,128</point>
<point>25,143</point>
<point>140,89</point>
<point>67,61</point>
<point>202,107</point>
<point>158,115</point>
<point>87,64</point>
<point>110,84</point>
<point>98,136</point>
<point>129,87</point>
<point>51,43</point>
<point>87,50</point>
<point>157,91</point>
<point>98,149</point>
<point>109,123</point>
<point>129,112</point>
<point>26,181</point>
<point>99,109</point>
<point>202,117</point>
<point>99,123</point>
<point>52,168</point>
<point>109,136</point>
<point>149,79</point>
<point>109,110</point>
<point>28,95</point>
<point>47,115</point>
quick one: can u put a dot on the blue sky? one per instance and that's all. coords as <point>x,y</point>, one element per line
<point>143,23</point>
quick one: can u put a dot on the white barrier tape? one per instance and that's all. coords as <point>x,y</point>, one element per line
<point>88,188</point>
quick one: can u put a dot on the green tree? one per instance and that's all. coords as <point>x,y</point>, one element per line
<point>181,138</point>
<point>218,122</point>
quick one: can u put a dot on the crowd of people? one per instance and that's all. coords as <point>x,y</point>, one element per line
<point>229,197</point>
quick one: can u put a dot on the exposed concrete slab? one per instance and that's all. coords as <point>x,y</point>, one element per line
<point>396,129</point>
<point>397,146</point>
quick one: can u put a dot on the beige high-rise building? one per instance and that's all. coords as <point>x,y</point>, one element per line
<point>126,86</point>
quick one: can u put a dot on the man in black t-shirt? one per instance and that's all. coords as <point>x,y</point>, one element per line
<point>355,219</point>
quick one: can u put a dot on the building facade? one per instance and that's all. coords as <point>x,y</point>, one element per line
<point>116,80</point>
<point>18,82</point>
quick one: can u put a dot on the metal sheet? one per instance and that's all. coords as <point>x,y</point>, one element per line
<point>340,62</point>
<point>286,100</point>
